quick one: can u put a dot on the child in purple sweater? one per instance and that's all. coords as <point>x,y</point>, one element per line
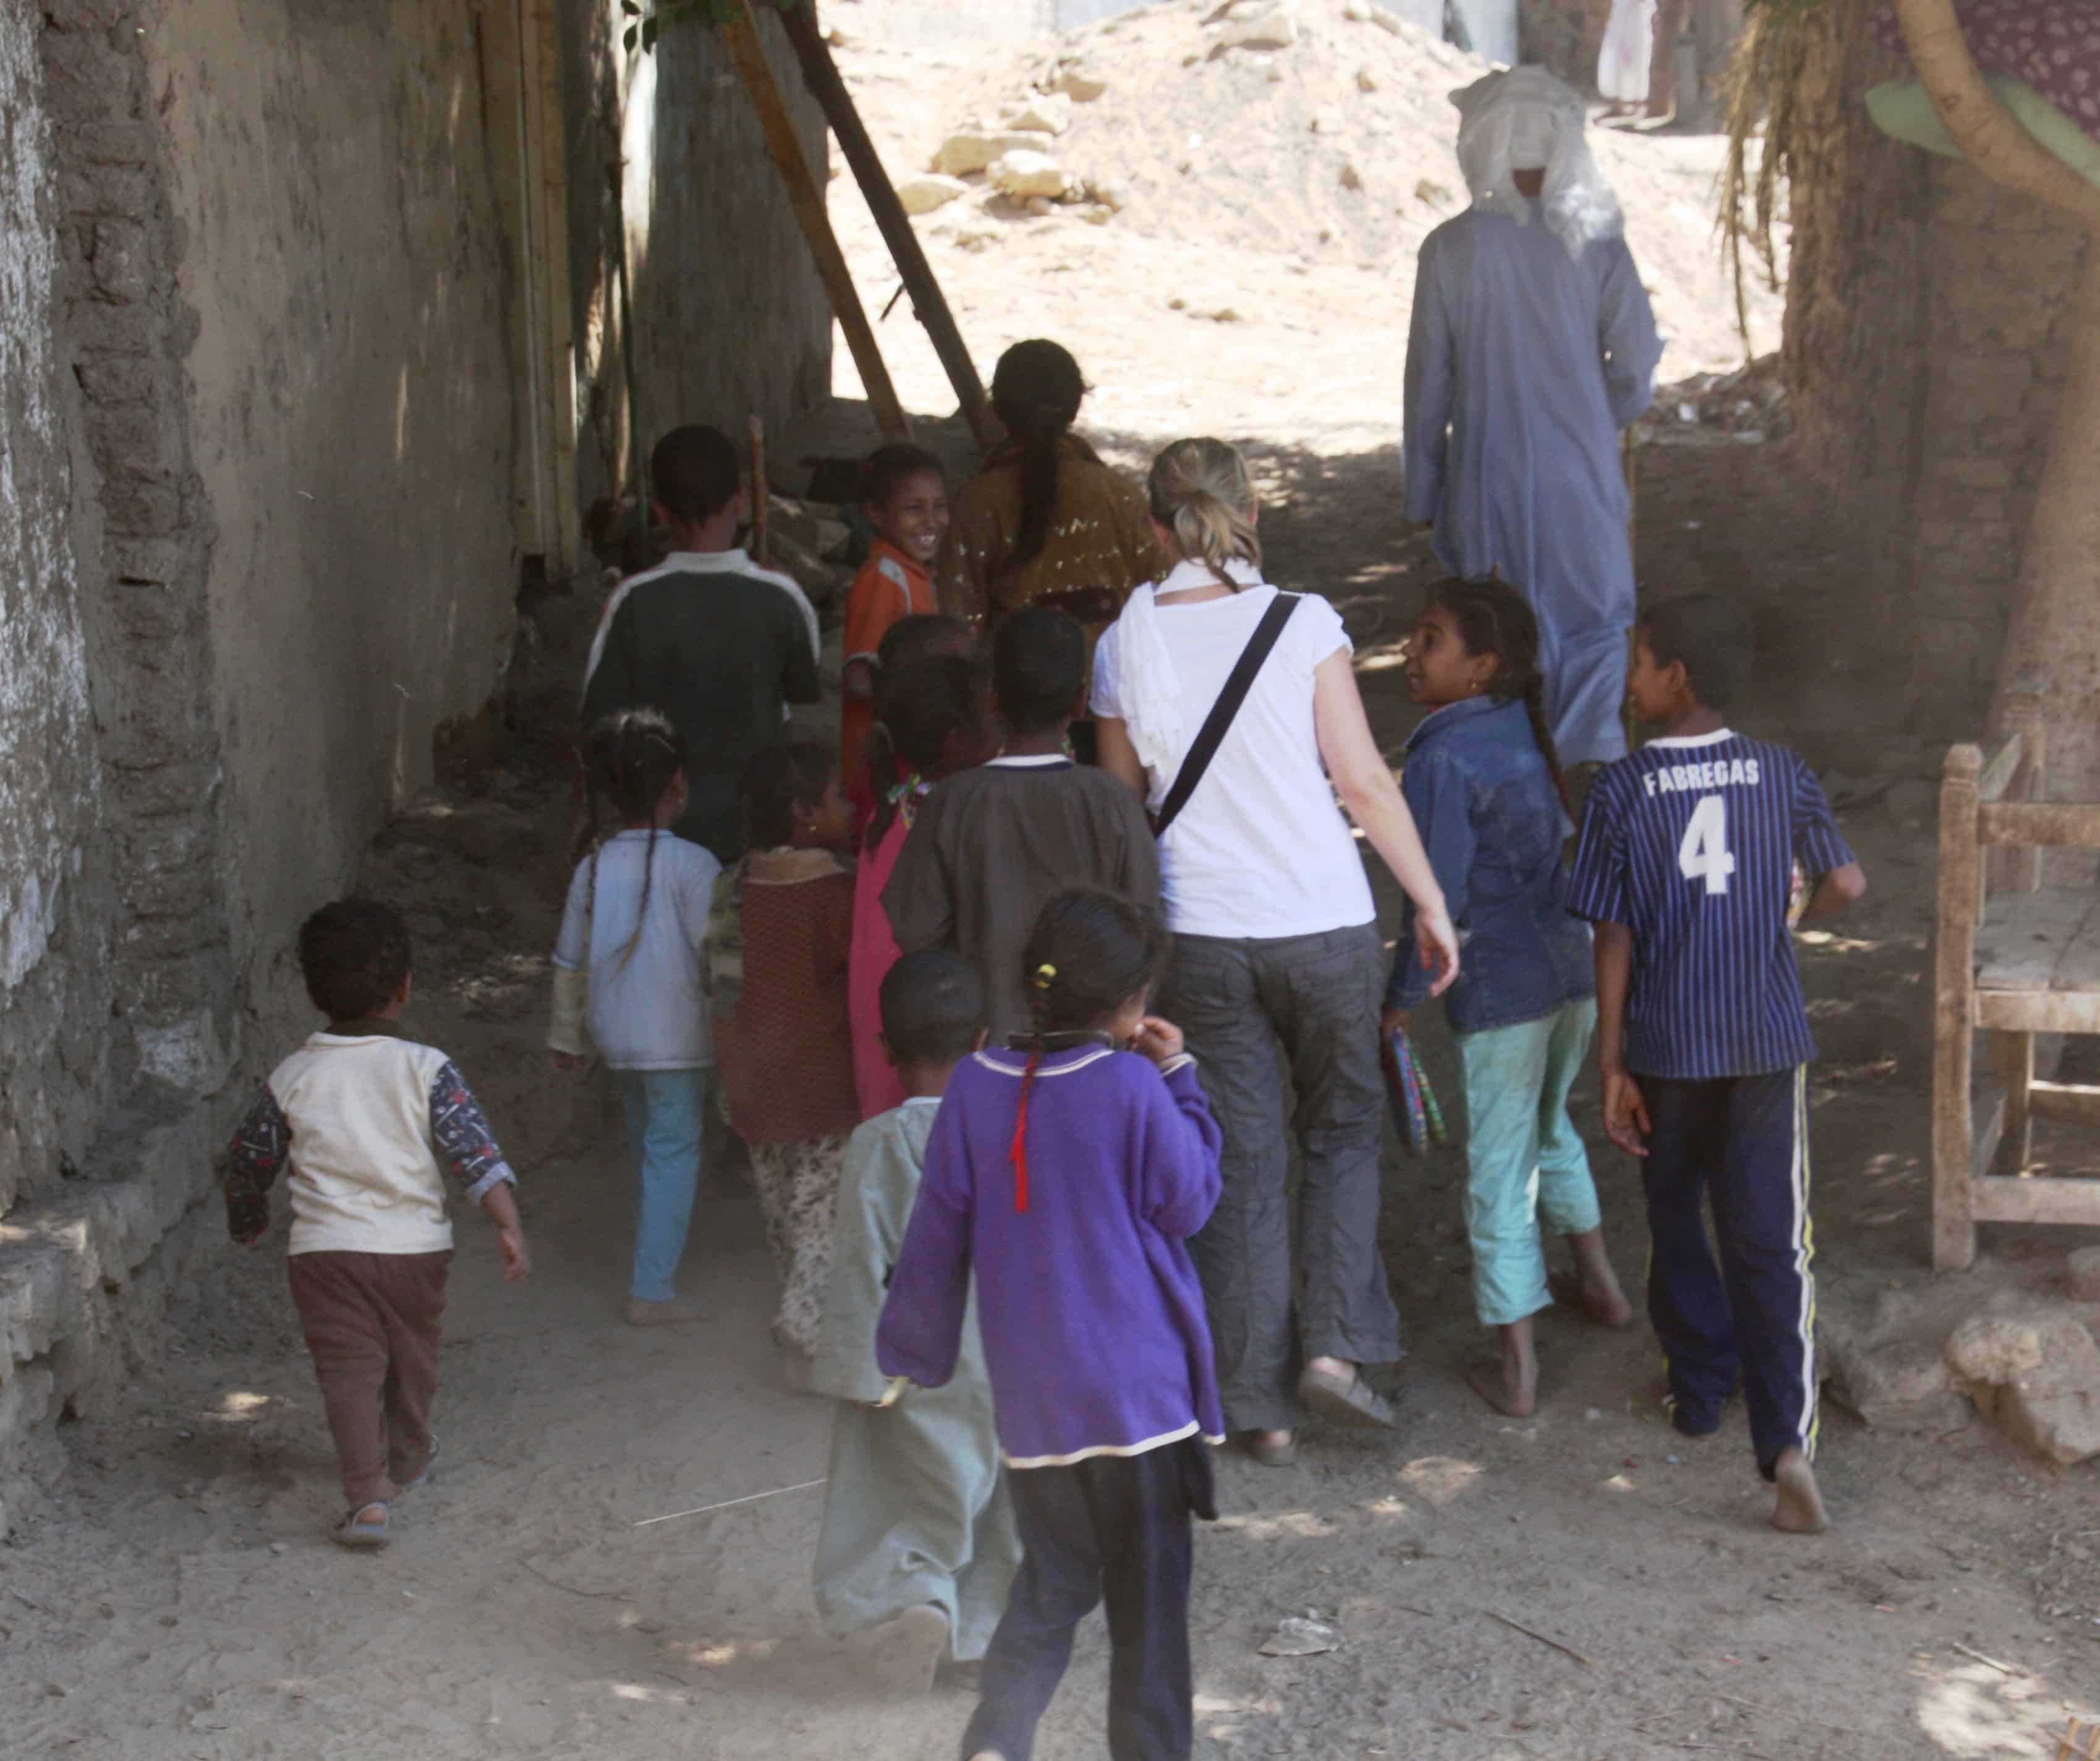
<point>1069,1173</point>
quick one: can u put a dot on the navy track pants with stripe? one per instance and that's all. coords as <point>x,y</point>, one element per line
<point>1742,1143</point>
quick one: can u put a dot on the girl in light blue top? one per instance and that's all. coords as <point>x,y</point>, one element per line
<point>628,963</point>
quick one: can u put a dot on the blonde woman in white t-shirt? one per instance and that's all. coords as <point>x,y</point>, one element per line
<point>1277,958</point>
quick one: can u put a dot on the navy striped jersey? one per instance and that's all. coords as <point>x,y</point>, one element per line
<point>1691,844</point>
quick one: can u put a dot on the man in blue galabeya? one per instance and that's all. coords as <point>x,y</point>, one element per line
<point>1533,345</point>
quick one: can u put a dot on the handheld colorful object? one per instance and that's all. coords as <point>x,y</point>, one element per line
<point>1413,1101</point>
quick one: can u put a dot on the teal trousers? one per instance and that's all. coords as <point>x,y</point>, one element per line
<point>1524,1159</point>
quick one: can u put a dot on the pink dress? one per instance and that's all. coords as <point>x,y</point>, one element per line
<point>875,952</point>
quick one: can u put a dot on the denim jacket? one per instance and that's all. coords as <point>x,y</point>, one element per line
<point>1493,823</point>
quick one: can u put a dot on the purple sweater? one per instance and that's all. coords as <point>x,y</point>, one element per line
<point>1093,1323</point>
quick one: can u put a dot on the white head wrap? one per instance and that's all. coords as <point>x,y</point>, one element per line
<point>1523,119</point>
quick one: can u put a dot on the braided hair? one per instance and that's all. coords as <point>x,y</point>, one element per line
<point>1493,619</point>
<point>1036,390</point>
<point>1088,955</point>
<point>630,761</point>
<point>922,709</point>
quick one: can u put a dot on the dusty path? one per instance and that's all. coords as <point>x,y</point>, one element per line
<point>177,1598</point>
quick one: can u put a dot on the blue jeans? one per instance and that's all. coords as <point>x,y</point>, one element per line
<point>1524,1159</point>
<point>665,1112</point>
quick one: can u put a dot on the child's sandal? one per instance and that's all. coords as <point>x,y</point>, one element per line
<point>355,1531</point>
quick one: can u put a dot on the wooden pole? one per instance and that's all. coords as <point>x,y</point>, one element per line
<point>820,72</point>
<point>761,496</point>
<point>741,32</point>
<point>1628,445</point>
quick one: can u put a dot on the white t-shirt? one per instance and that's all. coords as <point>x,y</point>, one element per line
<point>648,1006</point>
<point>1261,850</point>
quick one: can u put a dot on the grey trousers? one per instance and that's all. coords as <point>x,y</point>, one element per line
<point>1257,1013</point>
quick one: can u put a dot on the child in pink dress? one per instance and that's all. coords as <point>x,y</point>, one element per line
<point>933,721</point>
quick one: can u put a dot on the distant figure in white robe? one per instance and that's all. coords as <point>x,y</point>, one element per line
<point>1622,61</point>
<point>1533,345</point>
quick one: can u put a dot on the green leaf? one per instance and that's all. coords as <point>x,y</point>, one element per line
<point>630,8</point>
<point>627,37</point>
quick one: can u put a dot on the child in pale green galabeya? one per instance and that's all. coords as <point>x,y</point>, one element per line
<point>918,1548</point>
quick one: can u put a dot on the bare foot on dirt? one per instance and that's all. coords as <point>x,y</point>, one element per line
<point>640,1314</point>
<point>1272,1448</point>
<point>1511,1399</point>
<point>1799,1509</point>
<point>1596,1285</point>
<point>899,1657</point>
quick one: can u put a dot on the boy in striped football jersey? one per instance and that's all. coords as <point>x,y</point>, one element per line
<point>1685,868</point>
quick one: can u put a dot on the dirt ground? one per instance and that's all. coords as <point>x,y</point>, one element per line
<point>176,1597</point>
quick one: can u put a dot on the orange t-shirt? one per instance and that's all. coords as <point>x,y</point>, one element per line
<point>889,587</point>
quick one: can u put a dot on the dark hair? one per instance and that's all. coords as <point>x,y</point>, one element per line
<point>629,759</point>
<point>1710,633</point>
<point>1038,667</point>
<point>934,1009</point>
<point>776,782</point>
<point>694,473</point>
<point>919,707</point>
<point>1088,955</point>
<point>920,636</point>
<point>1036,390</point>
<point>889,468</point>
<point>1494,619</point>
<point>353,954</point>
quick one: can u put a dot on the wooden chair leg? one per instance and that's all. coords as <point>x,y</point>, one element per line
<point>1953,1151</point>
<point>2013,1056</point>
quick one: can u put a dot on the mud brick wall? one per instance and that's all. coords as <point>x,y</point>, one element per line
<point>57,889</point>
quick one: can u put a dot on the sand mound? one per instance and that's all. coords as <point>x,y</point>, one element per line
<point>1262,163</point>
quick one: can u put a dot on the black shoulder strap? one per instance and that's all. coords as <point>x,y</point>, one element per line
<point>1212,734</point>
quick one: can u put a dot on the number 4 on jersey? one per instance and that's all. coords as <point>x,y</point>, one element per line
<point>1703,855</point>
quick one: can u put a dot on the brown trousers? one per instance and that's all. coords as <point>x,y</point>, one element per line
<point>371,1324</point>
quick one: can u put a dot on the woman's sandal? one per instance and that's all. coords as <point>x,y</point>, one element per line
<point>354,1531</point>
<point>1347,1400</point>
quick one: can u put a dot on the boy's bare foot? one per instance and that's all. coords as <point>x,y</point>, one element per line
<point>1596,1285</point>
<point>640,1314</point>
<point>1799,1509</point>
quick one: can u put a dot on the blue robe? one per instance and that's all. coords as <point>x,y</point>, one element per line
<point>1523,365</point>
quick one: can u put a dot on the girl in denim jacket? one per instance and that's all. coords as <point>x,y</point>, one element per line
<point>1485,785</point>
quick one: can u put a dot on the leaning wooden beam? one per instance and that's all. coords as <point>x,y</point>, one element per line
<point>807,196</point>
<point>821,74</point>
<point>761,496</point>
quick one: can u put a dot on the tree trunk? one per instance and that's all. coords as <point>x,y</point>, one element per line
<point>2055,629</point>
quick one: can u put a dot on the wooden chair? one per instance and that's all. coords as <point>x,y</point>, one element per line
<point>2014,960</point>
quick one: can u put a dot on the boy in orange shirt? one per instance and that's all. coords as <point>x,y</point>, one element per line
<point>904,494</point>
